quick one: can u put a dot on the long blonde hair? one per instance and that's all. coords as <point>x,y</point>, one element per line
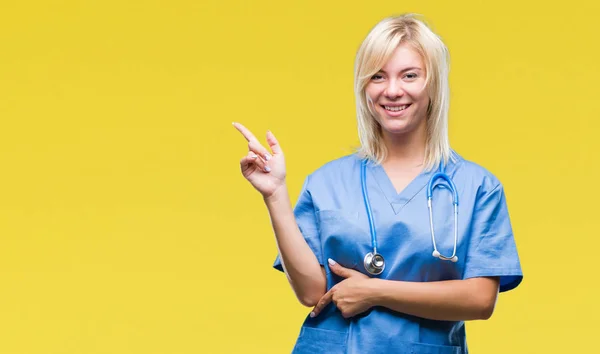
<point>374,52</point>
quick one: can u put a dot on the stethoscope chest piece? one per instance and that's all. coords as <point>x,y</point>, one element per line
<point>374,263</point>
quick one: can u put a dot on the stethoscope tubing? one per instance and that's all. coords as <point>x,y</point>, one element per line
<point>363,177</point>
<point>376,270</point>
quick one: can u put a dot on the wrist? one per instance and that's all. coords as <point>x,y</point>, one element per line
<point>279,194</point>
<point>377,291</point>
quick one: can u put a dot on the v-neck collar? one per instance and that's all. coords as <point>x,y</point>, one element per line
<point>399,200</point>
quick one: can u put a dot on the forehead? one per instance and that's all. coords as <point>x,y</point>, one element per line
<point>404,56</point>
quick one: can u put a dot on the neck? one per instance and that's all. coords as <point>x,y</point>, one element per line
<point>406,149</point>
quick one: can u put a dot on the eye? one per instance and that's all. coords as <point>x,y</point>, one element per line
<point>377,77</point>
<point>411,76</point>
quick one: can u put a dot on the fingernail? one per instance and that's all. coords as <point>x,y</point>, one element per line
<point>253,156</point>
<point>312,314</point>
<point>267,156</point>
<point>267,169</point>
<point>331,261</point>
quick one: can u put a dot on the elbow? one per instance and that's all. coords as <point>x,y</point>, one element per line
<point>485,307</point>
<point>309,301</point>
<point>311,297</point>
<point>485,298</point>
<point>486,311</point>
<point>310,293</point>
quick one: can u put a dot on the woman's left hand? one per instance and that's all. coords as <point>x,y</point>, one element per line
<point>351,296</point>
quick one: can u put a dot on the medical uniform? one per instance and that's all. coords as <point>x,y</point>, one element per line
<point>332,217</point>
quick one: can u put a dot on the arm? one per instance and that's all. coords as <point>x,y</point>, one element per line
<point>492,260</point>
<point>450,300</point>
<point>492,255</point>
<point>303,271</point>
<point>266,173</point>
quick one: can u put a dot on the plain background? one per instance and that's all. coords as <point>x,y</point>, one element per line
<point>126,226</point>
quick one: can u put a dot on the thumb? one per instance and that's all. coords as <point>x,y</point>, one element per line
<point>339,270</point>
<point>273,143</point>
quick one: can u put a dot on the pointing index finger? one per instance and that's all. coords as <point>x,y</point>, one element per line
<point>245,132</point>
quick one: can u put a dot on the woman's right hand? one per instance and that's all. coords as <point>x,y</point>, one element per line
<point>264,170</point>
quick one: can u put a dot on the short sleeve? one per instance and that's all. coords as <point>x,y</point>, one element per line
<point>305,215</point>
<point>492,248</point>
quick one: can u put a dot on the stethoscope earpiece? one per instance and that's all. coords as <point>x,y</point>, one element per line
<point>437,254</point>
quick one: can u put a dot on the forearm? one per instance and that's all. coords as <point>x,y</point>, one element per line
<point>451,300</point>
<point>305,274</point>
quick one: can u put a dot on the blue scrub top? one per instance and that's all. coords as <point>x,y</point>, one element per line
<point>331,215</point>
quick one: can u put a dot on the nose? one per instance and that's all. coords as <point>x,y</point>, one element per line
<point>393,89</point>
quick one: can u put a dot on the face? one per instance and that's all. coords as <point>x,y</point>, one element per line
<point>398,92</point>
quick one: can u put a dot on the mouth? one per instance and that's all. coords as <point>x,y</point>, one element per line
<point>395,108</point>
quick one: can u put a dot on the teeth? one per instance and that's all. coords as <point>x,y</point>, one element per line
<point>396,109</point>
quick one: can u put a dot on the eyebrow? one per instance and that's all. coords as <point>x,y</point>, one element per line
<point>403,70</point>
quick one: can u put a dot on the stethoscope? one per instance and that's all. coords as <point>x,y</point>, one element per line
<point>374,262</point>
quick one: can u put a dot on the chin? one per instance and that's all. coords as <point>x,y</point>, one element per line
<point>395,126</point>
<point>398,125</point>
<point>396,130</point>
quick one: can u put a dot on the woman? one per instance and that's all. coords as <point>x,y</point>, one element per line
<point>440,268</point>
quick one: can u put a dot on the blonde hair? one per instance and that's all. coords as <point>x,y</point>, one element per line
<point>374,52</point>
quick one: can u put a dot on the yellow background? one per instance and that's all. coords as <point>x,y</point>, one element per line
<point>125,224</point>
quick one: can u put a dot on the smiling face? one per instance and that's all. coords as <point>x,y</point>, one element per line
<point>398,93</point>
